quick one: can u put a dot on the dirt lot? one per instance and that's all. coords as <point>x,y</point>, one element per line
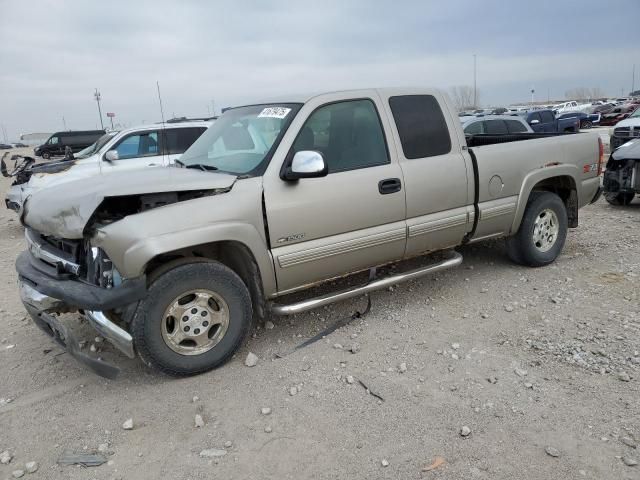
<point>527,359</point>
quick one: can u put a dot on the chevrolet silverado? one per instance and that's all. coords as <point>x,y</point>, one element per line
<point>174,264</point>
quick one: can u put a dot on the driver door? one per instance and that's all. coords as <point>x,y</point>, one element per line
<point>320,228</point>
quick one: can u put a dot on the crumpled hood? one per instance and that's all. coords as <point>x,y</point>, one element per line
<point>63,210</point>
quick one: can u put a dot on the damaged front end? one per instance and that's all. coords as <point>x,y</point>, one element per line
<point>621,179</point>
<point>59,276</point>
<point>64,270</point>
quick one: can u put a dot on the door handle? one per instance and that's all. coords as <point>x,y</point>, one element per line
<point>389,185</point>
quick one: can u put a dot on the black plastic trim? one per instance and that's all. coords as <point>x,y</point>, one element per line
<point>78,294</point>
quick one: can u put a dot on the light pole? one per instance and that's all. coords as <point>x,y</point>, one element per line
<point>97,97</point>
<point>633,79</point>
<point>532,92</point>
<point>475,83</point>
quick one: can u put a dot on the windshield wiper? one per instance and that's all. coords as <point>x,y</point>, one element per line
<point>202,166</point>
<point>179,162</point>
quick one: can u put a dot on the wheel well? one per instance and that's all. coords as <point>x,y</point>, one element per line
<point>565,188</point>
<point>232,254</point>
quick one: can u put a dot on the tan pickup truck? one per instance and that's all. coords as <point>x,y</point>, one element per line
<point>174,264</point>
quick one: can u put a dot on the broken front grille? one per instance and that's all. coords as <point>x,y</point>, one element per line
<point>61,254</point>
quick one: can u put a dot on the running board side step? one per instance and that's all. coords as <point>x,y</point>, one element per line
<point>453,260</point>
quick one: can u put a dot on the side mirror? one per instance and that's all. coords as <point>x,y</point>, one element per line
<point>111,156</point>
<point>306,164</point>
<point>534,122</point>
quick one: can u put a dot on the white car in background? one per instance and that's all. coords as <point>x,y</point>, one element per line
<point>146,146</point>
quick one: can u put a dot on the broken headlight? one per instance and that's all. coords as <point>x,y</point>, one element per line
<point>100,269</point>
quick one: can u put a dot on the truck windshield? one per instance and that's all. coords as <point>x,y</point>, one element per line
<point>242,140</point>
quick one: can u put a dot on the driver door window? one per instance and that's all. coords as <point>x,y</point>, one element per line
<point>348,134</point>
<point>53,141</point>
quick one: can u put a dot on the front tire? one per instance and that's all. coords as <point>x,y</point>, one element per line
<point>619,198</point>
<point>586,124</point>
<point>542,233</point>
<point>46,155</point>
<point>194,318</point>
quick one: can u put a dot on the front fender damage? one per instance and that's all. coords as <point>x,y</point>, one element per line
<point>72,209</point>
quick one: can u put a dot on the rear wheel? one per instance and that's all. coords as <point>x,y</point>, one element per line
<point>193,319</point>
<point>542,233</point>
<point>619,198</point>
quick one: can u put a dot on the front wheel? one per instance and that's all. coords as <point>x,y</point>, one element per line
<point>46,155</point>
<point>193,319</point>
<point>619,198</point>
<point>542,233</point>
<point>586,124</point>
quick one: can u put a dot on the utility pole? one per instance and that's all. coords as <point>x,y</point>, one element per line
<point>475,83</point>
<point>97,97</point>
<point>532,92</point>
<point>633,79</point>
<point>64,123</point>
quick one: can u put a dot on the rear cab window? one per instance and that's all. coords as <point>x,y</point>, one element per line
<point>421,126</point>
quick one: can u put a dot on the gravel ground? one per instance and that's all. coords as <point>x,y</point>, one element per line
<point>488,371</point>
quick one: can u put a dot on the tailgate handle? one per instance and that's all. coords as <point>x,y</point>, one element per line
<point>389,185</point>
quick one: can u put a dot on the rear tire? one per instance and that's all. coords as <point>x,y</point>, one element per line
<point>194,318</point>
<point>542,233</point>
<point>619,198</point>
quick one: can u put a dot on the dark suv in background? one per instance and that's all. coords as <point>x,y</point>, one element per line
<point>59,141</point>
<point>546,121</point>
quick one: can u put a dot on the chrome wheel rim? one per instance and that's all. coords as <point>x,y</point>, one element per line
<point>545,230</point>
<point>195,322</point>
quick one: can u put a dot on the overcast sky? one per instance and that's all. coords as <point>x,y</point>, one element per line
<point>54,53</point>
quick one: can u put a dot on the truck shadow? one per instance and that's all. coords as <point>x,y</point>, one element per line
<point>484,256</point>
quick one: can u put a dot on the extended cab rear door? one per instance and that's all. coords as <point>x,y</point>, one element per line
<point>436,167</point>
<point>349,220</point>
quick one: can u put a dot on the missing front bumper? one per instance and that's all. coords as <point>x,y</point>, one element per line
<point>61,335</point>
<point>40,308</point>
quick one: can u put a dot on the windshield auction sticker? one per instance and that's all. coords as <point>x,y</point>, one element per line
<point>274,112</point>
